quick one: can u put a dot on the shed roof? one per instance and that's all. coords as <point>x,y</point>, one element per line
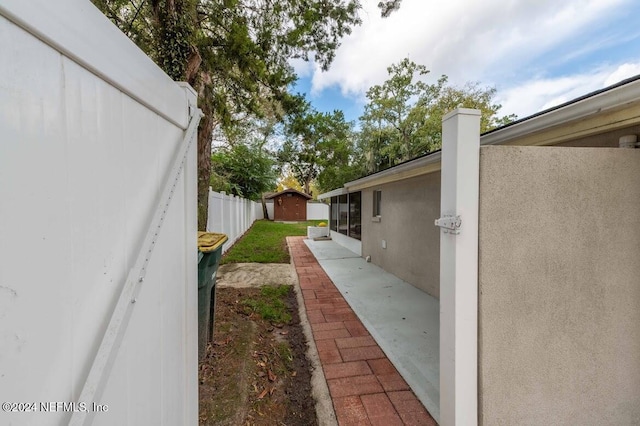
<point>288,190</point>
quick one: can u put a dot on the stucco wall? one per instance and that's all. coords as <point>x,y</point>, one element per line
<point>408,210</point>
<point>559,277</point>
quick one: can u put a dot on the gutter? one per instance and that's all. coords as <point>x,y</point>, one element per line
<point>616,96</point>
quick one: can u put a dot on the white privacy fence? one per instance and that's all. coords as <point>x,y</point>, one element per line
<point>98,294</point>
<point>317,211</point>
<point>231,215</point>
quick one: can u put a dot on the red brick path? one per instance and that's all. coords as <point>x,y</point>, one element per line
<point>365,387</point>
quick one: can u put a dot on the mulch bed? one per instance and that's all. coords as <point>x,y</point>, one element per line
<point>255,372</point>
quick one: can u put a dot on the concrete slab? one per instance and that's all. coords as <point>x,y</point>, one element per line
<point>403,320</point>
<point>333,251</point>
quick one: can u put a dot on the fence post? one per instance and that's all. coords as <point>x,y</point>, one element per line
<point>224,217</point>
<point>459,268</point>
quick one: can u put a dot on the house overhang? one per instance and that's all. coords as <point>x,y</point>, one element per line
<point>613,108</point>
<point>334,193</point>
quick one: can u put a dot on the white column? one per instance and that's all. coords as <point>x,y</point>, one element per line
<point>459,269</point>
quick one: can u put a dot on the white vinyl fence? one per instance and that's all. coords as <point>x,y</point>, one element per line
<point>231,215</point>
<point>317,211</point>
<point>98,225</point>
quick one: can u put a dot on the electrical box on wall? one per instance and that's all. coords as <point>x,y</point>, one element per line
<point>384,244</point>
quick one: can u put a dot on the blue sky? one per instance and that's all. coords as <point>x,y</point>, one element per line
<point>536,53</point>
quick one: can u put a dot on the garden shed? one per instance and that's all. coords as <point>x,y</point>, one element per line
<point>289,205</point>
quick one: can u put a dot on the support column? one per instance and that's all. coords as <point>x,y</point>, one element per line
<point>459,268</point>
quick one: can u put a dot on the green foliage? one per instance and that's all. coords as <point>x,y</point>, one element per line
<point>265,242</point>
<point>285,354</point>
<point>319,147</point>
<point>173,35</point>
<point>388,7</point>
<point>403,118</point>
<point>235,53</point>
<point>270,304</point>
<point>245,171</point>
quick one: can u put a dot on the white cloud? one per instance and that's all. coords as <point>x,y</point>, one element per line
<point>539,94</point>
<point>624,71</point>
<point>302,68</point>
<point>496,42</point>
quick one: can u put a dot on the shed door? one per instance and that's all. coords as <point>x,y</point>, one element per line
<point>293,208</point>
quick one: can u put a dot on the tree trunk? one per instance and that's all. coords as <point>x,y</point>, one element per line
<point>264,208</point>
<point>204,166</point>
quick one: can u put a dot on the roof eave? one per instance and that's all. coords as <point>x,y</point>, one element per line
<point>334,193</point>
<point>617,96</point>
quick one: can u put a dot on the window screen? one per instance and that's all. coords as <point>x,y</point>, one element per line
<point>354,215</point>
<point>343,215</point>
<point>334,214</point>
<point>377,203</point>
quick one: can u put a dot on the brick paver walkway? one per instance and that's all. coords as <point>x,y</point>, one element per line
<point>365,387</point>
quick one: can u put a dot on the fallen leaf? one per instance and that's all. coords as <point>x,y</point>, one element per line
<point>284,333</point>
<point>262,394</point>
<point>294,374</point>
<point>272,377</point>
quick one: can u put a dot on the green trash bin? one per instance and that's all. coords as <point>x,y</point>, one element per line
<point>209,254</point>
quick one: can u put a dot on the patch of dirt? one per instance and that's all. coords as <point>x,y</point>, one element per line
<point>255,372</point>
<point>255,274</point>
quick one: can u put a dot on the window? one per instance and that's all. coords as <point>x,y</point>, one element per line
<point>377,203</point>
<point>343,215</point>
<point>355,227</point>
<point>334,214</point>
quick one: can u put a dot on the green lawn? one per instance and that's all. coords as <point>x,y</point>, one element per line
<point>265,242</point>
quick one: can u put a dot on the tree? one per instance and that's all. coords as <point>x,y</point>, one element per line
<point>242,170</point>
<point>388,7</point>
<point>403,117</point>
<point>393,105</point>
<point>317,143</point>
<point>235,53</point>
<point>288,181</point>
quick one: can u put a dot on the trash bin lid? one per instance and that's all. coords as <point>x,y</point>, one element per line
<point>210,241</point>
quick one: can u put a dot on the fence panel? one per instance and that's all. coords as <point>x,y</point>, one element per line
<point>231,215</point>
<point>90,128</point>
<point>317,211</point>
